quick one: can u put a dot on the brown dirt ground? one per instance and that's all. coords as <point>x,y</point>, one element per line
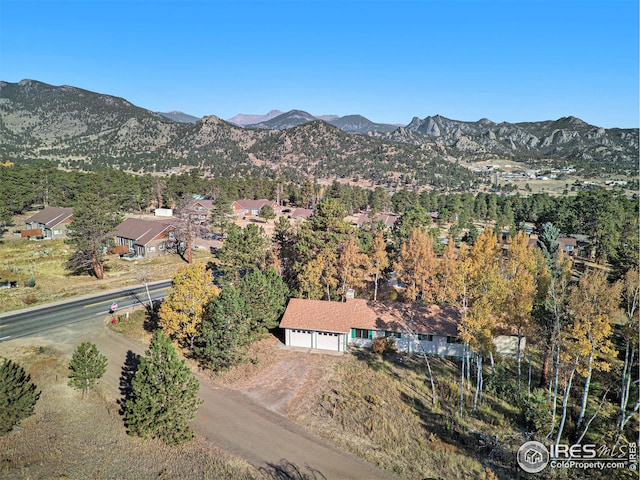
<point>282,378</point>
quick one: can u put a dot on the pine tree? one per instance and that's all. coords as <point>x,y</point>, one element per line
<point>244,250</point>
<point>221,214</point>
<point>87,365</point>
<point>265,296</point>
<point>18,396</point>
<point>225,328</point>
<point>163,395</point>
<point>90,233</point>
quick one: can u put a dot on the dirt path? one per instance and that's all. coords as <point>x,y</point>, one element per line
<point>244,423</point>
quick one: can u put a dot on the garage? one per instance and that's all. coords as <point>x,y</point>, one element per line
<point>300,338</point>
<point>328,341</point>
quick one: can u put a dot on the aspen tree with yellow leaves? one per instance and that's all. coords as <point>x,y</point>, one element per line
<point>180,316</point>
<point>378,260</point>
<point>351,266</point>
<point>416,266</point>
<point>593,303</point>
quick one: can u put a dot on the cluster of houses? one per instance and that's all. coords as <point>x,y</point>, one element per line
<point>307,324</point>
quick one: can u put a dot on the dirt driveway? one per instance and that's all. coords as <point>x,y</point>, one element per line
<point>246,420</point>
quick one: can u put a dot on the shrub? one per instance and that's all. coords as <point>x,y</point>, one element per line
<point>30,299</point>
<point>536,410</point>
<point>383,345</point>
<point>31,282</point>
<point>503,382</point>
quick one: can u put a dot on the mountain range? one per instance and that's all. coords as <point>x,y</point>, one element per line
<point>81,129</point>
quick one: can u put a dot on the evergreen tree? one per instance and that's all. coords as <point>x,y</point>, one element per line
<point>163,395</point>
<point>87,365</point>
<point>89,233</point>
<point>221,214</point>
<point>244,250</point>
<point>265,296</point>
<point>267,212</point>
<point>18,396</point>
<point>224,330</point>
<point>412,218</point>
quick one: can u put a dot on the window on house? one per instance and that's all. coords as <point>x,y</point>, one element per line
<point>453,340</point>
<point>57,232</point>
<point>392,334</point>
<point>151,249</point>
<point>161,247</point>
<point>172,235</point>
<point>360,333</point>
<point>424,337</point>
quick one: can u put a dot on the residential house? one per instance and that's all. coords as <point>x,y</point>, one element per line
<point>251,208</point>
<point>144,238</point>
<point>301,214</point>
<point>568,246</point>
<point>429,329</point>
<point>387,218</point>
<point>50,223</point>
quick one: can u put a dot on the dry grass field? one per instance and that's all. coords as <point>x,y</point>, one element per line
<point>70,437</point>
<point>45,261</point>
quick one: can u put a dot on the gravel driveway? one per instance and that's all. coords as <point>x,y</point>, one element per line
<point>230,419</point>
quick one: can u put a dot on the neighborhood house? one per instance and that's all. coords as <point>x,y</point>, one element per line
<point>144,238</point>
<point>429,329</point>
<point>50,223</point>
<point>251,208</point>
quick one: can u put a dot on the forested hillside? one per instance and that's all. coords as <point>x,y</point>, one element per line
<point>84,130</point>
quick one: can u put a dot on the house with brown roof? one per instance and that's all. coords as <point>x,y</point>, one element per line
<point>144,238</point>
<point>387,218</point>
<point>251,208</point>
<point>50,223</point>
<point>301,214</point>
<point>416,328</point>
<point>568,245</point>
<point>334,326</point>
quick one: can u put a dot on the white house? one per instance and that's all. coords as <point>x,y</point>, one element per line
<point>432,329</point>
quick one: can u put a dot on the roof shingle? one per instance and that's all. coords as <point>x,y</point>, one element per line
<point>356,313</point>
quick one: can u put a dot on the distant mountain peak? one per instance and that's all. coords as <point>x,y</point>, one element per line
<point>178,116</point>
<point>243,119</point>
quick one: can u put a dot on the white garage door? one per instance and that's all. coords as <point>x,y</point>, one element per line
<point>328,341</point>
<point>300,338</point>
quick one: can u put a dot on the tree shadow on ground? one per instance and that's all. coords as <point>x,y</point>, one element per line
<point>151,319</point>
<point>285,470</point>
<point>129,369</point>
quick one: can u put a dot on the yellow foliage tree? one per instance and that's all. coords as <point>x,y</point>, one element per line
<point>593,303</point>
<point>445,273</point>
<point>378,260</point>
<point>180,316</point>
<point>416,266</point>
<point>484,295</point>
<point>519,271</point>
<point>351,266</point>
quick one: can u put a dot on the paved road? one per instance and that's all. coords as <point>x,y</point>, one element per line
<point>33,320</point>
<point>227,419</point>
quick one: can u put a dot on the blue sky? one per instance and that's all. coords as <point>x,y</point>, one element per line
<point>505,60</point>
